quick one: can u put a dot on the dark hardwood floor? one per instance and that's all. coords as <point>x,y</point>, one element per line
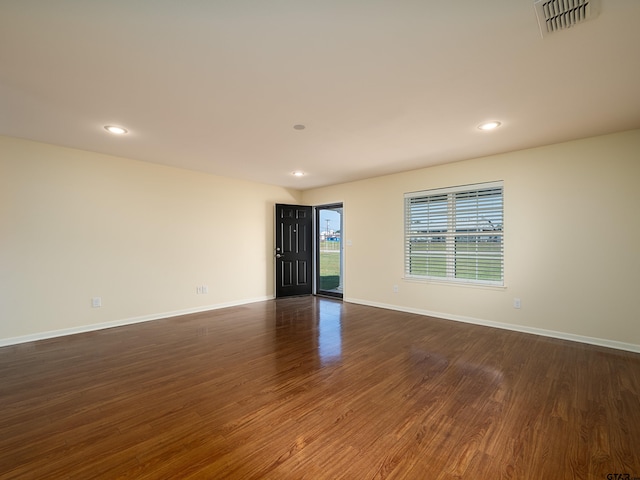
<point>313,388</point>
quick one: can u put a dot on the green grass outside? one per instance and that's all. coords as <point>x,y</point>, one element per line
<point>429,260</point>
<point>327,245</point>
<point>329,269</point>
<point>475,260</point>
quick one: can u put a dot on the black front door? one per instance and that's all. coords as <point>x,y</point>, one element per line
<point>294,256</point>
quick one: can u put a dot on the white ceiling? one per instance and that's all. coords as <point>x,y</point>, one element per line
<point>382,86</point>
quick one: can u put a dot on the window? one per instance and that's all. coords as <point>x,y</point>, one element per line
<point>455,234</point>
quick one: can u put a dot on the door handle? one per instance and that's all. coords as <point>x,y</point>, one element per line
<point>278,255</point>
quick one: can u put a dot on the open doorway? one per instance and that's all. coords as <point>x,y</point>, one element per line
<point>329,250</point>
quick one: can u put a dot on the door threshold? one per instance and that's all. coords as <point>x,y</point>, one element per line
<point>335,296</point>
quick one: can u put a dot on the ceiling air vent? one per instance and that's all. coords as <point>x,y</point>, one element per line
<point>555,15</point>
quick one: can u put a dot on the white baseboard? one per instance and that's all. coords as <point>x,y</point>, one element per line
<point>127,321</point>
<point>459,318</point>
<point>630,347</point>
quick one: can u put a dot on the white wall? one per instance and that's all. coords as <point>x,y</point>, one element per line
<point>572,241</point>
<point>75,224</point>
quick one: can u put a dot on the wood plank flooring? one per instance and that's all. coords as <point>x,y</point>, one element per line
<point>314,388</point>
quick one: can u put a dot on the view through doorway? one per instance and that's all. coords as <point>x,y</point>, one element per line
<point>330,252</point>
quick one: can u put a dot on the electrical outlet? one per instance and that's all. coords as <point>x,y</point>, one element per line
<point>396,289</point>
<point>96,302</point>
<point>205,289</point>
<point>517,303</point>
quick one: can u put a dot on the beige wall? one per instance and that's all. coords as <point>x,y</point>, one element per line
<point>572,240</point>
<point>75,224</point>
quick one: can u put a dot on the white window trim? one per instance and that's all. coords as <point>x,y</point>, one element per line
<point>450,237</point>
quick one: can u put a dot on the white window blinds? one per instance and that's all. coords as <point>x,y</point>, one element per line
<point>456,234</point>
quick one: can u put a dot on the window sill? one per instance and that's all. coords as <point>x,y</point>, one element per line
<point>484,286</point>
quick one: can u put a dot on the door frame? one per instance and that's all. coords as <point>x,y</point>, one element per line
<point>316,244</point>
<point>315,249</point>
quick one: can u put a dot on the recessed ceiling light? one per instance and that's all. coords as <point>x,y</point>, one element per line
<point>298,173</point>
<point>299,126</point>
<point>115,130</point>
<point>489,125</point>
